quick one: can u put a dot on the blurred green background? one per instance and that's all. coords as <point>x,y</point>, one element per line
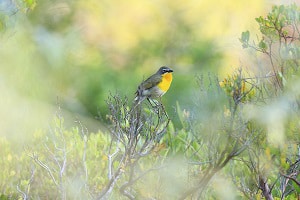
<point>75,53</point>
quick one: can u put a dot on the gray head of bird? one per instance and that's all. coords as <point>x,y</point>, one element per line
<point>164,70</point>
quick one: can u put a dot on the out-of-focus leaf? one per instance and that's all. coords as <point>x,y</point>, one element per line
<point>245,39</point>
<point>262,44</point>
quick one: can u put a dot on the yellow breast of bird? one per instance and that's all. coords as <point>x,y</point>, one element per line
<point>166,81</point>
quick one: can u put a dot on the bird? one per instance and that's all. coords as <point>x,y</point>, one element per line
<point>155,86</point>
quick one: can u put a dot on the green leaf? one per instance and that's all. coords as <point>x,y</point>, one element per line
<point>281,8</point>
<point>262,45</point>
<point>30,4</point>
<point>259,19</point>
<point>284,82</point>
<point>245,36</point>
<point>245,39</point>
<point>180,114</point>
<point>296,187</point>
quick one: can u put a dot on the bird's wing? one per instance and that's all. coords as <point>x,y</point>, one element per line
<point>150,82</point>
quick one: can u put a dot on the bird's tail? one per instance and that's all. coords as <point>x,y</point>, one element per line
<point>139,96</point>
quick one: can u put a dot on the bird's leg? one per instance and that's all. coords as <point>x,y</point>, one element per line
<point>148,99</point>
<point>158,106</point>
<point>163,109</point>
<point>155,106</point>
<point>152,101</point>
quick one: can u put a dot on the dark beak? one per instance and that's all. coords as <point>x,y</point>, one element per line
<point>170,70</point>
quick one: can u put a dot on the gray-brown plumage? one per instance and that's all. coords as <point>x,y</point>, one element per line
<point>149,88</point>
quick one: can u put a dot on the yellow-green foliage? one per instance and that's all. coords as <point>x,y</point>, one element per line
<point>239,136</point>
<point>80,174</point>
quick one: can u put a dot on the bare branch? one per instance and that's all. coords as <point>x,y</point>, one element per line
<point>44,166</point>
<point>263,185</point>
<point>292,178</point>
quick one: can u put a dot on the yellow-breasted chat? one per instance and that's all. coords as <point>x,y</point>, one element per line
<point>155,86</point>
